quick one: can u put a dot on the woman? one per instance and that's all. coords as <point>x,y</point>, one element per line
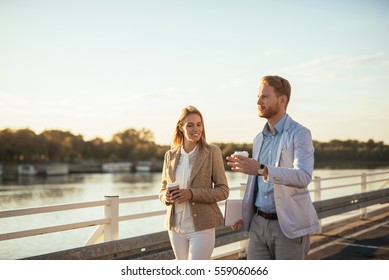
<point>197,167</point>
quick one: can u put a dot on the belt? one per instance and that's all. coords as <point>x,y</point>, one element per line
<point>267,216</point>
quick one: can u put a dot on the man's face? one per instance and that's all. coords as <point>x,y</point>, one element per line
<point>269,104</point>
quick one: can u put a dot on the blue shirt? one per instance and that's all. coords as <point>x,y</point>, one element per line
<point>267,156</point>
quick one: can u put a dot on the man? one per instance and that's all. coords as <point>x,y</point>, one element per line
<point>277,208</point>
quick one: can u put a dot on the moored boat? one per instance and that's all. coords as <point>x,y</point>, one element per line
<point>143,166</point>
<point>57,169</point>
<point>117,167</point>
<point>27,170</point>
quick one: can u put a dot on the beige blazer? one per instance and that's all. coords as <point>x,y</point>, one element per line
<point>207,182</point>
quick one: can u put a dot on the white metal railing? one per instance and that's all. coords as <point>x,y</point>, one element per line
<point>107,227</point>
<point>362,183</point>
<point>318,189</point>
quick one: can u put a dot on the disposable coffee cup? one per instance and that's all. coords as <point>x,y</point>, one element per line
<point>242,153</point>
<point>172,187</point>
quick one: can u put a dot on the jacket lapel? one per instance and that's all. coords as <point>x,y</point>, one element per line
<point>284,136</point>
<point>257,146</point>
<point>174,162</point>
<point>198,163</point>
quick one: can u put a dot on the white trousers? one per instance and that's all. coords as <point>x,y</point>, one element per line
<point>197,245</point>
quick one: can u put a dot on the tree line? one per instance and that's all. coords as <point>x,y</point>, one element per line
<point>364,154</point>
<point>25,146</point>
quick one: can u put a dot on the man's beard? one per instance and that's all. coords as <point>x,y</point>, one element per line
<point>269,112</point>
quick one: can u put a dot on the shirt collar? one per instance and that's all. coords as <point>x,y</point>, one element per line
<point>185,153</point>
<point>279,127</point>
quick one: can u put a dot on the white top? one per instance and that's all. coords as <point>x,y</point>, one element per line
<point>183,211</point>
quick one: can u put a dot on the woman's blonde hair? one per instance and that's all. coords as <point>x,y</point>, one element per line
<point>178,136</point>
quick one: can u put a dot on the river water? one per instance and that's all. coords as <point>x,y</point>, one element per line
<point>30,192</point>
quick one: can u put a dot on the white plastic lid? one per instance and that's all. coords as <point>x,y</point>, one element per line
<point>172,185</point>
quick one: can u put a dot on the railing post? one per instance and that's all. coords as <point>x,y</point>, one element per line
<point>317,188</point>
<point>317,194</point>
<point>363,211</point>
<point>243,244</point>
<point>242,191</point>
<point>112,213</point>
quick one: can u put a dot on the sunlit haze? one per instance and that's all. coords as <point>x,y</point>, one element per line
<point>96,68</point>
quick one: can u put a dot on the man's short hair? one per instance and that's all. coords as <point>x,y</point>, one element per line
<point>281,86</point>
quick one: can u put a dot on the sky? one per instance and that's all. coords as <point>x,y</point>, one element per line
<point>96,68</point>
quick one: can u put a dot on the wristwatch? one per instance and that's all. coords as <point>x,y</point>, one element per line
<point>261,169</point>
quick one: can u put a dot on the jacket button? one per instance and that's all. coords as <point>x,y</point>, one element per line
<point>193,203</point>
<point>195,215</point>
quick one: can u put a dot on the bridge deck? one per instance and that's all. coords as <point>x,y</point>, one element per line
<point>362,239</point>
<point>351,239</point>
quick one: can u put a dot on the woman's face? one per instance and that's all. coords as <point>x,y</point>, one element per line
<point>192,128</point>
